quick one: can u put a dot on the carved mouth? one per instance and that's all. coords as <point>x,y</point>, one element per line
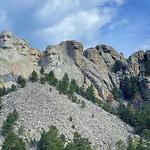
<point>23,54</point>
<point>51,60</point>
<point>6,44</point>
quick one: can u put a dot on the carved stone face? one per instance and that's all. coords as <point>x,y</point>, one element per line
<point>52,55</point>
<point>22,47</point>
<point>35,55</point>
<point>6,40</point>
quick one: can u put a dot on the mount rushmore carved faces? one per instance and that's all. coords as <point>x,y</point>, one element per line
<point>52,55</point>
<point>7,40</point>
<point>22,47</point>
<point>35,55</point>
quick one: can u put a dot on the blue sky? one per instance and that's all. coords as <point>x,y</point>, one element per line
<point>122,24</point>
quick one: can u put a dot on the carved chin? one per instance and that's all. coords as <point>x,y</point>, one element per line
<point>35,63</point>
<point>53,64</point>
<point>6,45</point>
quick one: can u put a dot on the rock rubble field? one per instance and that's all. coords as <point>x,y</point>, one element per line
<point>38,109</point>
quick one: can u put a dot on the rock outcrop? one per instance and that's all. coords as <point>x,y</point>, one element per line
<point>135,62</point>
<point>39,108</point>
<point>91,66</point>
<point>16,58</point>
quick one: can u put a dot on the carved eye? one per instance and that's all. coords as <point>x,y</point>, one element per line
<point>53,53</point>
<point>48,54</point>
<point>8,36</point>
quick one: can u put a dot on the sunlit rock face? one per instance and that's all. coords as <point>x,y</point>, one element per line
<point>88,69</point>
<point>15,58</point>
<point>22,47</point>
<point>7,40</point>
<point>110,55</point>
<point>35,56</point>
<point>135,62</point>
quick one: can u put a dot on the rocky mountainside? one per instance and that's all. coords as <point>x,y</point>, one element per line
<point>94,65</point>
<point>112,76</point>
<point>38,109</point>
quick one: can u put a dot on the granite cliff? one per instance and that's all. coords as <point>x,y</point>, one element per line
<point>93,65</point>
<point>38,107</point>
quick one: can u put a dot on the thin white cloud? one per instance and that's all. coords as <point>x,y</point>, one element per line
<point>120,2</point>
<point>76,26</point>
<point>118,24</point>
<point>4,23</point>
<point>56,8</point>
<point>74,19</point>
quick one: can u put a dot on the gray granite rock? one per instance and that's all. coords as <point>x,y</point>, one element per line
<point>38,109</point>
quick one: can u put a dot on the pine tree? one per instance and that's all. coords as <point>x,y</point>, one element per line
<point>130,87</point>
<point>21,81</point>
<point>9,122</point>
<point>140,145</point>
<point>116,93</point>
<point>147,67</point>
<point>13,142</point>
<point>42,71</point>
<point>79,143</point>
<point>118,66</point>
<point>34,76</point>
<point>51,140</point>
<point>134,86</point>
<point>146,133</point>
<point>51,79</point>
<point>13,87</point>
<point>3,91</point>
<point>90,94</point>
<point>82,92</point>
<point>75,86</point>
<point>1,105</point>
<point>72,87</point>
<point>120,145</point>
<point>131,145</point>
<point>125,87</point>
<point>59,87</point>
<point>65,84</point>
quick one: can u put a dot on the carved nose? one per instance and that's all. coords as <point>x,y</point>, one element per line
<point>5,39</point>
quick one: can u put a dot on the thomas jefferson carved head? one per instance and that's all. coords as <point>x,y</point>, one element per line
<point>7,40</point>
<point>52,54</point>
<point>35,55</point>
<point>22,47</point>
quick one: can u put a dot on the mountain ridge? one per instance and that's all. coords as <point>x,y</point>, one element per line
<point>102,71</point>
<point>92,66</point>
